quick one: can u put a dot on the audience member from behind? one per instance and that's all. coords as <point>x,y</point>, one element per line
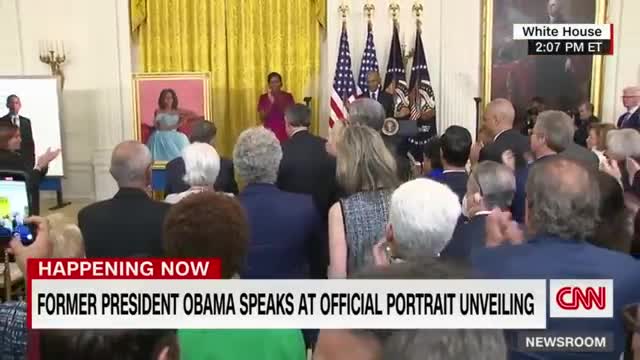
<point>432,165</point>
<point>210,225</point>
<point>491,185</point>
<point>130,223</point>
<point>498,119</point>
<point>365,170</point>
<point>11,159</point>
<point>622,144</point>
<point>108,344</point>
<point>631,101</point>
<point>369,112</point>
<point>551,134</point>
<point>614,228</point>
<point>306,168</point>
<point>409,344</point>
<point>455,147</point>
<point>597,140</point>
<point>422,217</point>
<point>202,131</point>
<point>563,202</point>
<point>202,166</point>
<point>284,226</point>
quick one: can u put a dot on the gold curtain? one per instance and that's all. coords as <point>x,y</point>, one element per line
<point>239,42</point>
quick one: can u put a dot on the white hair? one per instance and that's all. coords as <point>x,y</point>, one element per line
<point>623,143</point>
<point>257,155</point>
<point>423,215</point>
<point>201,163</point>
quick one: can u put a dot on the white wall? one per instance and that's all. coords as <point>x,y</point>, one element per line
<point>96,110</point>
<point>452,37</point>
<point>623,68</point>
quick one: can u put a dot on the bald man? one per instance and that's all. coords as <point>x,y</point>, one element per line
<point>374,91</point>
<point>631,101</point>
<point>130,223</point>
<point>498,119</point>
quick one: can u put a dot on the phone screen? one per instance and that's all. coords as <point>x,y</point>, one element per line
<point>14,208</point>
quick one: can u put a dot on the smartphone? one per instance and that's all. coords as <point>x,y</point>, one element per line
<point>15,207</point>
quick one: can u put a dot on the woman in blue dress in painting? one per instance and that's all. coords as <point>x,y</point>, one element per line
<point>166,142</point>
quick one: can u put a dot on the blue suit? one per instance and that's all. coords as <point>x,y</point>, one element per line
<point>554,258</point>
<point>467,236</point>
<point>456,181</point>
<point>632,122</point>
<point>283,227</point>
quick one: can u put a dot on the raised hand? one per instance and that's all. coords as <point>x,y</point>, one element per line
<point>502,230</point>
<point>272,98</point>
<point>47,157</point>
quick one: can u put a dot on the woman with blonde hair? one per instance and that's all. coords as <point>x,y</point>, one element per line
<point>366,171</point>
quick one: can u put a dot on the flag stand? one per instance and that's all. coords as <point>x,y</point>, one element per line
<point>477,100</point>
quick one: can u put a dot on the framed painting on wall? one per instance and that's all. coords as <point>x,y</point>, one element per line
<point>562,82</point>
<point>165,107</point>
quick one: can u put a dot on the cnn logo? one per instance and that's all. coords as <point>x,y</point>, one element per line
<point>581,298</point>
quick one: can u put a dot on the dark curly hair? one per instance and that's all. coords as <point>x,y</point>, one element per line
<point>208,225</point>
<point>272,75</point>
<point>107,344</point>
<point>174,105</point>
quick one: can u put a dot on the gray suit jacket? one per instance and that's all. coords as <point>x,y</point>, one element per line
<point>582,155</point>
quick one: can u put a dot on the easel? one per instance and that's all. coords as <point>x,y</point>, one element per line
<point>54,183</point>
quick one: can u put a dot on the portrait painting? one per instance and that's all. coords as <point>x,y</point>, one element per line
<point>165,106</point>
<point>538,82</point>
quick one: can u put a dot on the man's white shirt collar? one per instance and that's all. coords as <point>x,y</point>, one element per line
<point>454,171</point>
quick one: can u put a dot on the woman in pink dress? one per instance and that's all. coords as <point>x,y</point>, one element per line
<point>272,105</point>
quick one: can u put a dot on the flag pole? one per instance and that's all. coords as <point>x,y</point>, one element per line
<point>417,10</point>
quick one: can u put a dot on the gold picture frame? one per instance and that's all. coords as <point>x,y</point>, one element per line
<point>597,68</point>
<point>197,86</point>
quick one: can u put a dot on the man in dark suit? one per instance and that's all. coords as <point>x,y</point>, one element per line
<point>129,224</point>
<point>562,212</point>
<point>553,134</point>
<point>631,101</point>
<point>306,168</point>
<point>498,119</point>
<point>491,185</point>
<point>27,148</point>
<point>455,145</point>
<point>584,121</point>
<point>374,91</point>
<point>205,132</point>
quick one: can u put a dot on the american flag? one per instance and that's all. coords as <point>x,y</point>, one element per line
<point>369,60</point>
<point>344,86</point>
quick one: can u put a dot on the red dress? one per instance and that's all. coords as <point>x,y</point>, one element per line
<point>274,119</point>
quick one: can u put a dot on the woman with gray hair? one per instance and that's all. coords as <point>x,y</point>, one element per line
<point>367,171</point>
<point>282,225</point>
<point>202,166</point>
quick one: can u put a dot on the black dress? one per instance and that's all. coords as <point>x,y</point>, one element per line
<point>12,161</point>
